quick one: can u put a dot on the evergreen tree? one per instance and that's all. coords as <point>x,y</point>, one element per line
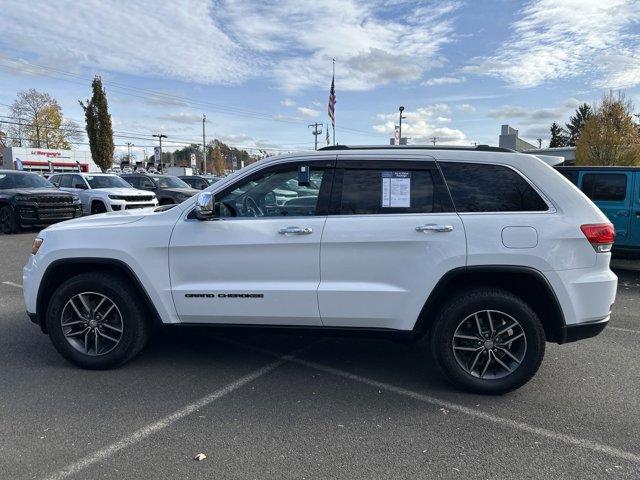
<point>99,129</point>
<point>558,136</point>
<point>576,123</point>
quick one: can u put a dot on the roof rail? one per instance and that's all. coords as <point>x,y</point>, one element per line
<point>477,148</point>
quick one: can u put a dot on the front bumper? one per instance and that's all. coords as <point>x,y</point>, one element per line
<point>579,331</point>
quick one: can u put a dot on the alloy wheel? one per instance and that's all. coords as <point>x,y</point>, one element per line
<point>489,344</point>
<point>92,323</point>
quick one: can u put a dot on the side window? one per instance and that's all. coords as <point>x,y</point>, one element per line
<point>379,191</point>
<point>605,186</point>
<point>78,180</point>
<point>273,193</point>
<point>133,181</point>
<point>55,179</point>
<point>479,187</point>
<point>144,182</point>
<point>65,181</point>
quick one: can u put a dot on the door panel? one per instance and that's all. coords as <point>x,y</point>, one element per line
<point>279,272</point>
<point>378,270</point>
<point>634,229</point>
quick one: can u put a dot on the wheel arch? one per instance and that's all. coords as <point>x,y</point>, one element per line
<point>525,282</point>
<point>63,269</point>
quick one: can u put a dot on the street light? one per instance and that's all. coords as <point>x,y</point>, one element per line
<point>400,126</point>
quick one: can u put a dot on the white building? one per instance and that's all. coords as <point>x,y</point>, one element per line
<point>509,139</point>
<point>45,160</point>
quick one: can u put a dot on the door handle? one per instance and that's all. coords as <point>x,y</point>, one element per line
<point>295,231</point>
<point>432,227</point>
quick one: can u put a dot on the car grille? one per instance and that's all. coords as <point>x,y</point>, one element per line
<point>135,198</point>
<point>47,208</point>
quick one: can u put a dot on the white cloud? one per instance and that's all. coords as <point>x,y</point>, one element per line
<point>466,108</point>
<point>553,40</point>
<point>509,112</point>
<point>287,102</point>
<point>177,40</point>
<point>371,48</point>
<point>308,112</point>
<point>443,81</point>
<point>422,125</point>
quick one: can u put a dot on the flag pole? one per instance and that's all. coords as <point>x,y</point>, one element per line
<point>333,76</point>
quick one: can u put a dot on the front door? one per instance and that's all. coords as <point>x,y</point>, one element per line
<point>611,192</point>
<point>258,262</point>
<point>391,235</point>
<point>634,229</point>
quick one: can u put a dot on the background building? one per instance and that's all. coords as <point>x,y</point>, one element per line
<point>43,159</point>
<point>509,139</point>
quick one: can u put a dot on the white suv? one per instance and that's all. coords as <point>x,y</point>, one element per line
<point>103,192</point>
<point>486,252</point>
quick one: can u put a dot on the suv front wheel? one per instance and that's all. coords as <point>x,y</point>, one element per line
<point>96,322</point>
<point>488,341</point>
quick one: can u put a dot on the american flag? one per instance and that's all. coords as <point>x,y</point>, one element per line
<point>332,103</point>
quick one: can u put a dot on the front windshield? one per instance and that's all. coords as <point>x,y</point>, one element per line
<point>23,180</point>
<point>168,182</point>
<point>106,181</point>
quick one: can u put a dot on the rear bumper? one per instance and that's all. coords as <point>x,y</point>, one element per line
<point>573,333</point>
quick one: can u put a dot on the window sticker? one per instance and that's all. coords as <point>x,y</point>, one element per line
<point>396,189</point>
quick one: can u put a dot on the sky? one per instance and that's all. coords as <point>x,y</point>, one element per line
<point>261,71</point>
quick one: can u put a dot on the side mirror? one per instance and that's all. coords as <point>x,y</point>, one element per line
<point>205,206</point>
<point>56,184</point>
<point>80,186</point>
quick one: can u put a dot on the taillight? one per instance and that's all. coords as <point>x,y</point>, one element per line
<point>600,235</point>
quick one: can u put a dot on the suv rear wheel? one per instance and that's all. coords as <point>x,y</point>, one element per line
<point>488,341</point>
<point>95,321</point>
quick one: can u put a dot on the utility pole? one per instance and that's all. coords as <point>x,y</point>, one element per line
<point>433,139</point>
<point>400,125</point>
<point>316,132</point>
<point>539,142</point>
<point>129,145</point>
<point>204,145</point>
<point>160,136</point>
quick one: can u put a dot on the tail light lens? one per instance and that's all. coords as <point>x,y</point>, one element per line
<point>600,235</point>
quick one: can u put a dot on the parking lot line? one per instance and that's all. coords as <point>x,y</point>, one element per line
<point>619,329</point>
<point>13,284</point>
<point>472,412</point>
<point>169,420</point>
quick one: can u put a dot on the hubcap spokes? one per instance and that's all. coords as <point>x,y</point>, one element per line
<point>92,323</point>
<point>489,344</point>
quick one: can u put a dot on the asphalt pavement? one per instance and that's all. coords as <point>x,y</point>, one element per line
<point>306,407</point>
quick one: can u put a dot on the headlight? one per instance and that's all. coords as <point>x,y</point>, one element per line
<point>115,197</point>
<point>75,198</point>
<point>37,243</point>
<point>25,198</point>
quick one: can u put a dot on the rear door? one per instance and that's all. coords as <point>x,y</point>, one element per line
<point>390,236</point>
<point>612,193</point>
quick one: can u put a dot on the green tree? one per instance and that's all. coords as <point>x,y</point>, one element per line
<point>39,121</point>
<point>576,123</point>
<point>99,129</point>
<point>610,135</point>
<point>558,136</point>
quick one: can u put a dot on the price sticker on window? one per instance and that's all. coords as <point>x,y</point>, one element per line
<point>396,189</point>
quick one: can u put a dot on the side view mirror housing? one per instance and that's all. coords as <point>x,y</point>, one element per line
<point>205,206</point>
<point>80,186</point>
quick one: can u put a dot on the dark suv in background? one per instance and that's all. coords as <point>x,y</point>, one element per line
<point>168,189</point>
<point>27,199</point>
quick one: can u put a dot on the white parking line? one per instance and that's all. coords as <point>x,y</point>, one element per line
<point>619,329</point>
<point>472,412</point>
<point>13,284</point>
<point>167,421</point>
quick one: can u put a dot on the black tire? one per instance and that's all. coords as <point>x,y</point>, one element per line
<point>8,220</point>
<point>135,326</point>
<point>464,306</point>
<point>98,207</point>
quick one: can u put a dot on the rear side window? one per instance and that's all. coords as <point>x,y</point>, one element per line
<point>605,186</point>
<point>490,188</point>
<point>65,181</point>
<point>375,191</point>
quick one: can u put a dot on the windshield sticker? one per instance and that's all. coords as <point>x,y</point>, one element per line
<point>396,189</point>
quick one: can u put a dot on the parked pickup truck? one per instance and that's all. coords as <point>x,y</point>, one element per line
<point>616,191</point>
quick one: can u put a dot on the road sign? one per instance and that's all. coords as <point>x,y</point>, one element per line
<point>157,155</point>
